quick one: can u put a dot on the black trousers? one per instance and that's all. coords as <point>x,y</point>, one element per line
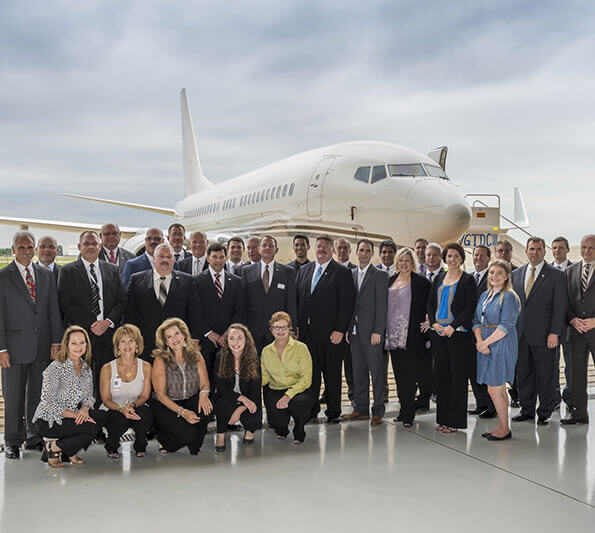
<point>425,375</point>
<point>209,353</point>
<point>72,438</point>
<point>348,369</point>
<point>299,409</point>
<point>173,432</point>
<point>536,376</point>
<point>453,360</point>
<point>580,359</point>
<point>224,408</point>
<point>405,368</point>
<point>117,424</point>
<point>326,360</point>
<point>103,352</point>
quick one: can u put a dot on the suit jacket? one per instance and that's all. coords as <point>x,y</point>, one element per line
<point>74,291</point>
<point>330,307</point>
<point>369,313</point>
<point>579,305</point>
<point>186,265</point>
<point>296,265</point>
<point>123,257</point>
<point>224,387</point>
<point>463,303</point>
<point>144,310</point>
<point>28,328</point>
<point>483,282</point>
<point>184,254</point>
<point>219,313</point>
<point>260,306</point>
<point>544,311</point>
<point>420,291</point>
<point>55,272</point>
<point>138,264</point>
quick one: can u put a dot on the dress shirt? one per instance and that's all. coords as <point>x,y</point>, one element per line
<point>481,273</point>
<point>528,273</point>
<point>271,271</point>
<point>316,265</point>
<point>346,263</point>
<point>221,277</point>
<point>561,266</point>
<point>23,273</point>
<point>433,272</point>
<point>231,266</point>
<point>99,282</point>
<point>591,268</point>
<point>198,263</point>
<point>50,267</point>
<point>108,252</point>
<point>361,274</point>
<point>291,371</point>
<point>389,270</point>
<point>157,282</point>
<point>62,389</point>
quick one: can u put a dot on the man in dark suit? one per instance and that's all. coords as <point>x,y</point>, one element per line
<point>160,293</point>
<point>222,301</point>
<point>30,331</point>
<point>544,298</point>
<point>92,296</point>
<point>197,262</point>
<point>47,250</point>
<point>484,407</point>
<point>176,235</point>
<point>269,287</point>
<point>110,250</point>
<point>560,250</point>
<point>581,317</point>
<point>301,245</point>
<point>366,334</point>
<point>252,246</point>
<point>326,298</point>
<point>153,238</point>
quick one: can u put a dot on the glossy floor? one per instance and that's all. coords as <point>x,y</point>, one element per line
<point>346,477</point>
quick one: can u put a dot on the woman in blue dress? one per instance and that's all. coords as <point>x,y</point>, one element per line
<point>497,344</point>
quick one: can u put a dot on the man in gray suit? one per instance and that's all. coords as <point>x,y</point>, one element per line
<point>544,298</point>
<point>366,335</point>
<point>30,333</point>
<point>581,316</point>
<point>110,250</point>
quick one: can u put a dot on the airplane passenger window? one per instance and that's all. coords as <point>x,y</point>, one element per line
<point>413,169</point>
<point>292,186</point>
<point>378,173</point>
<point>284,190</point>
<point>268,193</point>
<point>362,174</point>
<point>278,191</point>
<point>436,172</point>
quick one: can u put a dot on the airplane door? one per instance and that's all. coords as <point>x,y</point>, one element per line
<point>315,186</point>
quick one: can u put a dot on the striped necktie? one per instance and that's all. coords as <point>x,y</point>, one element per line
<point>112,257</point>
<point>585,277</point>
<point>30,283</point>
<point>162,291</point>
<point>218,285</point>
<point>530,282</point>
<point>95,309</point>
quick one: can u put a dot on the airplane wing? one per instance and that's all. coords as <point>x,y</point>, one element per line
<point>127,232</point>
<point>143,207</point>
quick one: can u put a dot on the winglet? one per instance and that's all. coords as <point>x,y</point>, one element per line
<point>521,218</point>
<point>439,155</point>
<point>194,179</point>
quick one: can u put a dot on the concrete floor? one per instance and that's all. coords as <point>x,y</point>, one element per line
<point>346,477</point>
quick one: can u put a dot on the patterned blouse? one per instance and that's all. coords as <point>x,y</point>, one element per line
<point>182,381</point>
<point>397,317</point>
<point>62,389</point>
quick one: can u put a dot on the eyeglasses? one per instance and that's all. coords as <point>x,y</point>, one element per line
<point>153,239</point>
<point>279,328</point>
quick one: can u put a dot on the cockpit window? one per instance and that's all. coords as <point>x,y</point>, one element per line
<point>436,171</point>
<point>362,174</point>
<point>378,173</point>
<point>414,169</point>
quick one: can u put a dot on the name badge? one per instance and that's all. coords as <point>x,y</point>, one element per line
<point>117,383</point>
<point>280,285</point>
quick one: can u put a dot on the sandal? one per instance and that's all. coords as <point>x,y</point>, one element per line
<point>248,441</point>
<point>449,430</point>
<point>76,460</point>
<point>113,455</point>
<point>141,454</point>
<point>161,448</point>
<point>440,428</point>
<point>53,457</point>
<point>407,424</point>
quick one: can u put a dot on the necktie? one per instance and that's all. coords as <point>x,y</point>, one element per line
<point>430,276</point>
<point>30,283</point>
<point>317,275</point>
<point>218,285</point>
<point>162,291</point>
<point>177,256</point>
<point>584,278</point>
<point>95,309</point>
<point>195,267</point>
<point>530,282</point>
<point>266,279</point>
<point>112,257</point>
<point>420,269</point>
<point>477,278</point>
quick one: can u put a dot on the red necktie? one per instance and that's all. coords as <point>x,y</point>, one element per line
<point>112,257</point>
<point>218,285</point>
<point>30,283</point>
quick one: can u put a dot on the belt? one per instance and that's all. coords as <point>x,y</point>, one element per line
<point>493,327</point>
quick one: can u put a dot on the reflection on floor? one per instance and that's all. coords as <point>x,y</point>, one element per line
<point>345,477</point>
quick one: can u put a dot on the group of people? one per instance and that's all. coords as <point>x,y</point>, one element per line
<point>163,342</point>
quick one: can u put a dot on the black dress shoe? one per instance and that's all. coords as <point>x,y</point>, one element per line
<point>515,403</point>
<point>486,434</point>
<point>542,421</point>
<point>220,448</point>
<point>34,446</point>
<point>100,439</point>
<point>421,406</point>
<point>571,421</point>
<point>331,420</point>
<point>488,414</point>
<point>506,437</point>
<point>322,399</point>
<point>476,411</point>
<point>12,452</point>
<point>521,418</point>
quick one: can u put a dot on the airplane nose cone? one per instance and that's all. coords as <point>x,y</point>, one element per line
<point>436,212</point>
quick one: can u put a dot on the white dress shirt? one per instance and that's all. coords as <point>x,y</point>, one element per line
<point>434,273</point>
<point>99,282</point>
<point>361,274</point>
<point>389,270</point>
<point>221,277</point>
<point>481,273</point>
<point>50,267</point>
<point>528,273</point>
<point>157,282</point>
<point>561,266</point>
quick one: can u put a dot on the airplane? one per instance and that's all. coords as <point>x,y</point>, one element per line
<point>377,190</point>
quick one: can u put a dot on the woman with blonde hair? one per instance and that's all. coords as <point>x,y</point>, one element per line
<point>65,416</point>
<point>181,385</point>
<point>494,326</point>
<point>237,398</point>
<point>125,386</point>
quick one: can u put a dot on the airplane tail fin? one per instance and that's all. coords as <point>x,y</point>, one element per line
<point>521,218</point>
<point>194,179</point>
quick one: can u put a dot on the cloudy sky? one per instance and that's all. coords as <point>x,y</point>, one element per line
<point>89,96</point>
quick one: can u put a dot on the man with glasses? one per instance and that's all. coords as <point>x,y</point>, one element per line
<point>153,237</point>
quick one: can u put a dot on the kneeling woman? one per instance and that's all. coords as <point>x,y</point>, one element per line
<point>286,367</point>
<point>125,386</point>
<point>64,416</point>
<point>181,385</point>
<point>237,398</point>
